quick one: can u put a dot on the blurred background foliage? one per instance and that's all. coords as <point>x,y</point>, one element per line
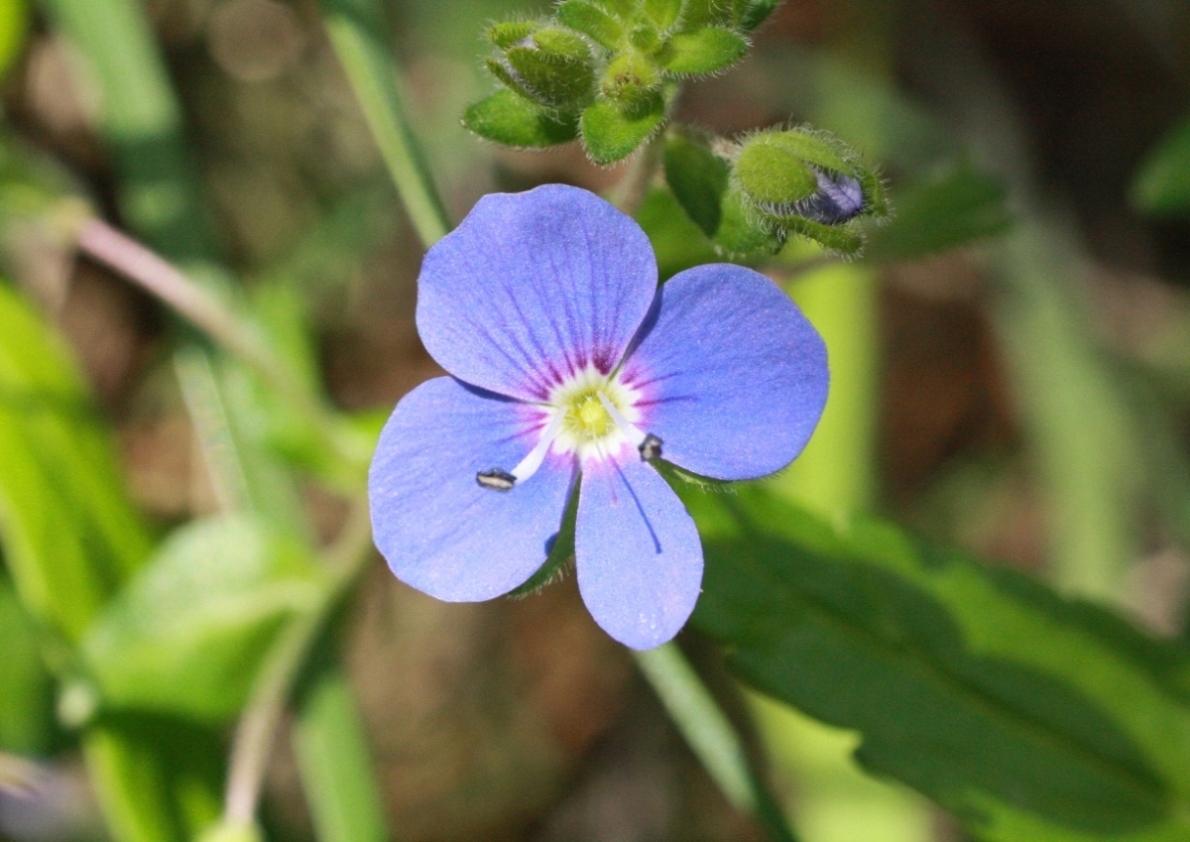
<point>187,576</point>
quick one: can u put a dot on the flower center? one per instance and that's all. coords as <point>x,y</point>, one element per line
<point>592,416</point>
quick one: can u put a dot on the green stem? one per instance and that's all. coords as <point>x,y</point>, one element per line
<point>353,27</point>
<point>711,735</point>
<point>631,190</point>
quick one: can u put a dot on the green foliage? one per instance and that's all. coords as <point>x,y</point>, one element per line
<point>26,692</point>
<point>949,208</point>
<point>1162,184</point>
<point>335,762</point>
<point>68,531</point>
<point>703,51</point>
<point>677,241</point>
<point>611,133</point>
<point>637,53</point>
<point>1027,716</point>
<point>188,633</point>
<point>512,120</point>
<point>770,175</point>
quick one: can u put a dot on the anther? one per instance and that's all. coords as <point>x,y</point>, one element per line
<point>496,479</point>
<point>650,448</point>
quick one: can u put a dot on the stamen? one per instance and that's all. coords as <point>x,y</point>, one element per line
<point>496,479</point>
<point>635,435</point>
<point>650,448</point>
<point>529,465</point>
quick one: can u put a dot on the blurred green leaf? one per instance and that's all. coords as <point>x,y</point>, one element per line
<point>610,133</point>
<point>1162,184</point>
<point>508,118</point>
<point>698,178</point>
<point>26,691</point>
<point>188,633</point>
<point>1027,716</point>
<point>703,51</point>
<point>944,210</point>
<point>14,24</point>
<point>335,763</point>
<point>69,532</point>
<point>157,779</point>
<point>677,241</point>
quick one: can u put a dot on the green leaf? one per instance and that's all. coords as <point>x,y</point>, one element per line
<point>506,33</point>
<point>663,13</point>
<point>698,178</point>
<point>591,20</point>
<point>677,241</point>
<point>703,51</point>
<point>773,176</point>
<point>1162,184</point>
<point>157,779</point>
<point>335,763</point>
<point>1027,716</point>
<point>26,690</point>
<point>187,634</point>
<point>554,67</point>
<point>948,209</point>
<point>68,531</point>
<point>750,14</point>
<point>610,134</point>
<point>512,120</point>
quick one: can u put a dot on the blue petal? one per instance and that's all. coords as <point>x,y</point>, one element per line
<point>733,377</point>
<point>439,530</point>
<point>637,551</point>
<point>533,287</point>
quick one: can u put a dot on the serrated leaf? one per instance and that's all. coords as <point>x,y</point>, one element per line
<point>948,209</point>
<point>698,178</point>
<point>591,20</point>
<point>186,635</point>
<point>705,50</point>
<point>512,120</point>
<point>68,530</point>
<point>1027,716</point>
<point>610,134</point>
<point>1162,184</point>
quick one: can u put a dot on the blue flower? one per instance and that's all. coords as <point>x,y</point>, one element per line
<point>572,372</point>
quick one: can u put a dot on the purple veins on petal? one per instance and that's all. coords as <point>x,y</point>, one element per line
<point>533,288</point>
<point>543,307</point>
<point>439,530</point>
<point>733,376</point>
<point>637,552</point>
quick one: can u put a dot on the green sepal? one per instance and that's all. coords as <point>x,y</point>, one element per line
<point>625,10</point>
<point>771,175</point>
<point>631,81</point>
<point>507,33</point>
<point>741,234</point>
<point>510,119</point>
<point>611,133</point>
<point>706,50</point>
<point>845,239</point>
<point>554,67</point>
<point>591,20</point>
<point>663,13</point>
<point>645,39</point>
<point>699,13</point>
<point>698,178</point>
<point>750,14</point>
<point>561,552</point>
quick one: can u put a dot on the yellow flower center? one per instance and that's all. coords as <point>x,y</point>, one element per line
<point>585,418</point>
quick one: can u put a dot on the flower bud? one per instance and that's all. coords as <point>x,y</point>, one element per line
<point>630,80</point>
<point>552,66</point>
<point>772,176</point>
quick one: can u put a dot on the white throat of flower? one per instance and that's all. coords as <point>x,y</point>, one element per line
<point>591,415</point>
